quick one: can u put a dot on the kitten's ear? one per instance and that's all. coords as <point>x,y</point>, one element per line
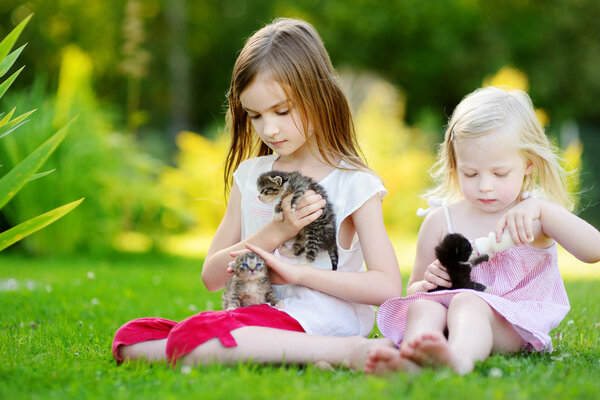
<point>278,180</point>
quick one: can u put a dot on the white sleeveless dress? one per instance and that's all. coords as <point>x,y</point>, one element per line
<point>317,312</point>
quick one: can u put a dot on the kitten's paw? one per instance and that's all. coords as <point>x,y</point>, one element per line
<point>230,308</point>
<point>279,305</point>
<point>285,251</point>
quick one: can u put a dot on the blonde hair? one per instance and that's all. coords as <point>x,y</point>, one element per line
<point>292,52</point>
<point>492,109</point>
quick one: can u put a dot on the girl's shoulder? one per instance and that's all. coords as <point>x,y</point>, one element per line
<point>352,179</point>
<point>254,167</point>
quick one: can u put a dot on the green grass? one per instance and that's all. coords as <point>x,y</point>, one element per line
<point>58,317</point>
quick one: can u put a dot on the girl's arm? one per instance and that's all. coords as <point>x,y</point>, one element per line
<point>577,236</point>
<point>228,236</point>
<point>427,272</point>
<point>380,282</point>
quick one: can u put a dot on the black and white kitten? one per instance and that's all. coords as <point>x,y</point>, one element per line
<point>250,284</point>
<point>320,235</point>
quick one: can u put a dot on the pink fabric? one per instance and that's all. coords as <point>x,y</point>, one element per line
<point>185,336</point>
<point>526,289</point>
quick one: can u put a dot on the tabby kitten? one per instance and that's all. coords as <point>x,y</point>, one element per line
<point>320,235</point>
<point>250,284</point>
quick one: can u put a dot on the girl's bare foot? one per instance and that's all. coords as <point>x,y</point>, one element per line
<point>383,360</point>
<point>432,350</point>
<point>358,358</point>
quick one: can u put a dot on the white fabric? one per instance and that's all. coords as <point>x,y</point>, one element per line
<point>317,312</point>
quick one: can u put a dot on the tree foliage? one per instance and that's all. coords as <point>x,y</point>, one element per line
<point>437,50</point>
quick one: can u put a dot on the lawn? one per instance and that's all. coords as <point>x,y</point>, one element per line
<point>58,316</point>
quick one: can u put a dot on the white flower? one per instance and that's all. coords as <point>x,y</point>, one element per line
<point>186,369</point>
<point>91,275</point>
<point>495,373</point>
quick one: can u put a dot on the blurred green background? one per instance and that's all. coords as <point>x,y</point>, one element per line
<point>148,81</point>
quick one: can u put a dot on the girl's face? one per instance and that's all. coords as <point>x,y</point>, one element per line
<point>490,171</point>
<point>274,117</point>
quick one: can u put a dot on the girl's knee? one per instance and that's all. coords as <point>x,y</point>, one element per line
<point>468,300</point>
<point>422,305</point>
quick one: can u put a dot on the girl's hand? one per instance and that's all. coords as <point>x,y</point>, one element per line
<point>282,273</point>
<point>308,208</point>
<point>519,221</point>
<point>435,276</point>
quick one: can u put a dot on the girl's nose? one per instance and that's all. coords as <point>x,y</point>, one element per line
<point>485,184</point>
<point>270,128</point>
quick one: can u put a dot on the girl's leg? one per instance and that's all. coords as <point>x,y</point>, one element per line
<point>268,345</point>
<point>475,330</point>
<point>142,338</point>
<point>423,316</point>
<point>151,350</point>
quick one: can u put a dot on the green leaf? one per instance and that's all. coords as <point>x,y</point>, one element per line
<point>14,180</point>
<point>32,225</point>
<point>41,174</point>
<point>14,124</point>
<point>6,84</point>
<point>9,60</point>
<point>12,37</point>
<point>7,118</point>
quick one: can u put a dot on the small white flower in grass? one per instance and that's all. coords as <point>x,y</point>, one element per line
<point>94,301</point>
<point>9,285</point>
<point>558,336</point>
<point>48,288</point>
<point>597,325</point>
<point>210,306</point>
<point>186,369</point>
<point>570,322</point>
<point>91,275</point>
<point>495,372</point>
<point>30,284</point>
<point>192,308</point>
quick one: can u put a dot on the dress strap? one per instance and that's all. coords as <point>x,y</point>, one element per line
<point>435,202</point>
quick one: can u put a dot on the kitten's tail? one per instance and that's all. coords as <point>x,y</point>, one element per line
<point>333,256</point>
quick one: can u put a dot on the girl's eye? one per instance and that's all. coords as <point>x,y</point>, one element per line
<point>254,117</point>
<point>469,175</point>
<point>501,175</point>
<point>283,112</point>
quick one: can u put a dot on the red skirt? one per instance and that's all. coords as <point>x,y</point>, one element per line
<point>185,336</point>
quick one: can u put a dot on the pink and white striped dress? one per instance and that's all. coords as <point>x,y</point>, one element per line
<point>525,288</point>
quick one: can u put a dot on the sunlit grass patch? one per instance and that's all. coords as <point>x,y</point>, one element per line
<point>58,318</point>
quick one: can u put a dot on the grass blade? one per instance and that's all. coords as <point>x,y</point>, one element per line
<point>14,124</point>
<point>14,180</point>
<point>32,225</point>
<point>12,37</point>
<point>7,118</point>
<point>6,84</point>
<point>41,174</point>
<point>9,60</point>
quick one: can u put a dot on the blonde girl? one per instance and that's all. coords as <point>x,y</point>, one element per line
<point>497,171</point>
<point>287,112</point>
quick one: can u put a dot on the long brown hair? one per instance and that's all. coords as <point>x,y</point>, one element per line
<point>293,54</point>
